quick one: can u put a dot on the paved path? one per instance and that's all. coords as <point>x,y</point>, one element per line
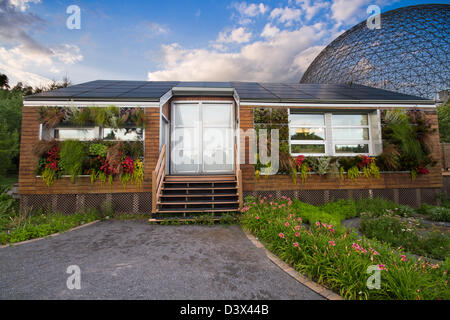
<point>136,260</point>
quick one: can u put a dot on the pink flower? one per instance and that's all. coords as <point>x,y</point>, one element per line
<point>287,224</point>
<point>317,224</point>
<point>403,258</point>
<point>300,219</point>
<point>297,234</point>
<point>281,235</point>
<point>332,230</point>
<point>257,217</point>
<point>382,267</point>
<point>331,243</point>
<point>295,244</point>
<point>297,227</point>
<point>261,201</point>
<point>270,196</point>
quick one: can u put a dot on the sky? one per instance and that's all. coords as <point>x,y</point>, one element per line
<point>197,40</point>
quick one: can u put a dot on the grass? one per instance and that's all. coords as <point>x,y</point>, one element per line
<point>338,258</point>
<point>26,225</point>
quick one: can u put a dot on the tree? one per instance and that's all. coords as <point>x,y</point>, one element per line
<point>9,147</point>
<point>4,81</point>
<point>444,121</point>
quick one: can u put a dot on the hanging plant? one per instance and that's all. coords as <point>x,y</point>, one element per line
<point>72,156</point>
<point>138,172</point>
<point>353,172</point>
<point>51,116</point>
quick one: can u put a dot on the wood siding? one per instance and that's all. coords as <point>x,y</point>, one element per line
<point>30,184</point>
<point>316,182</point>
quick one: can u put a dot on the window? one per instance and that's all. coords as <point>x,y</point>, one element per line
<point>350,134</point>
<point>307,133</point>
<point>126,134</point>
<point>334,134</point>
<point>82,134</point>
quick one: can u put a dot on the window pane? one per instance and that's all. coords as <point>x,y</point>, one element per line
<point>307,134</point>
<point>304,119</point>
<point>186,114</point>
<point>128,134</point>
<point>307,148</point>
<point>217,115</point>
<point>350,120</point>
<point>350,134</point>
<point>352,148</point>
<point>77,134</point>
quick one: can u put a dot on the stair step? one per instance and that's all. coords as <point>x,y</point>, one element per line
<point>205,188</point>
<point>200,195</point>
<point>200,178</point>
<point>196,202</point>
<point>184,210</point>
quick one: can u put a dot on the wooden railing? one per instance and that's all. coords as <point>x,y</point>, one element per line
<point>158,178</point>
<point>238,176</point>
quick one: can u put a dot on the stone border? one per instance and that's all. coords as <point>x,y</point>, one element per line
<point>317,288</point>
<point>50,235</point>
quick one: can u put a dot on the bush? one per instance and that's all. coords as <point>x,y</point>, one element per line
<point>405,232</point>
<point>434,213</point>
<point>380,206</point>
<point>21,226</point>
<point>338,258</point>
<point>345,209</point>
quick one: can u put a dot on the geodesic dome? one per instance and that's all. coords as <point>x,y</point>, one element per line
<point>408,54</point>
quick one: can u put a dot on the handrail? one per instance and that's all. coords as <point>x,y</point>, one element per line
<point>238,175</point>
<point>158,178</point>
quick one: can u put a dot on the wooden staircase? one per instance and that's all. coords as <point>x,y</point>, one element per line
<point>196,194</point>
<point>182,195</point>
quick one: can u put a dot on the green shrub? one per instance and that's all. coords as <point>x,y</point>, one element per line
<point>380,206</point>
<point>338,258</point>
<point>72,156</point>
<point>345,209</point>
<point>439,214</point>
<point>23,226</point>
<point>405,232</point>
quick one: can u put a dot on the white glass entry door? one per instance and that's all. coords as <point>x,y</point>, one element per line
<point>202,138</point>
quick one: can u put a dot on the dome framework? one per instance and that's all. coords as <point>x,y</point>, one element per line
<point>408,54</point>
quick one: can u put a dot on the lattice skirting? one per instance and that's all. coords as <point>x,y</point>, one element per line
<point>142,202</point>
<point>412,197</point>
<point>70,203</point>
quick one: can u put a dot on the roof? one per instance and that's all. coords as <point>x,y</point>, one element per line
<point>116,90</point>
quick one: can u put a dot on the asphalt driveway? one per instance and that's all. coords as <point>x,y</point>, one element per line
<point>136,260</point>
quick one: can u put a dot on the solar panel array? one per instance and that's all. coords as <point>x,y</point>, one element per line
<point>279,92</point>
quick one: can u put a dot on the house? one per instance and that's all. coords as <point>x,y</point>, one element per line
<point>191,145</point>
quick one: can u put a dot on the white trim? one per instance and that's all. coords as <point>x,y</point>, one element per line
<point>42,103</point>
<point>337,105</point>
<point>165,98</point>
<point>202,89</point>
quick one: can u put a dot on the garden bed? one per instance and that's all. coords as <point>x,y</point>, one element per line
<point>337,258</point>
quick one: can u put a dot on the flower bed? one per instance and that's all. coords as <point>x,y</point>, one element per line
<point>339,259</point>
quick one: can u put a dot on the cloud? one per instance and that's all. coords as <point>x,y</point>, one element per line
<point>22,57</point>
<point>238,35</point>
<point>349,11</point>
<point>286,15</point>
<point>311,7</point>
<point>152,29</point>
<point>22,5</point>
<point>248,11</point>
<point>277,59</point>
<point>269,31</point>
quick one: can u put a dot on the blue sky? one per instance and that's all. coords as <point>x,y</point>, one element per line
<point>172,40</point>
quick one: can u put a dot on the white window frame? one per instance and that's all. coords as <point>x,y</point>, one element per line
<point>103,139</point>
<point>329,141</point>
<point>298,142</point>
<point>351,141</point>
<point>96,132</point>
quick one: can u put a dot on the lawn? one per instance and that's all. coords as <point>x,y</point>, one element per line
<point>311,239</point>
